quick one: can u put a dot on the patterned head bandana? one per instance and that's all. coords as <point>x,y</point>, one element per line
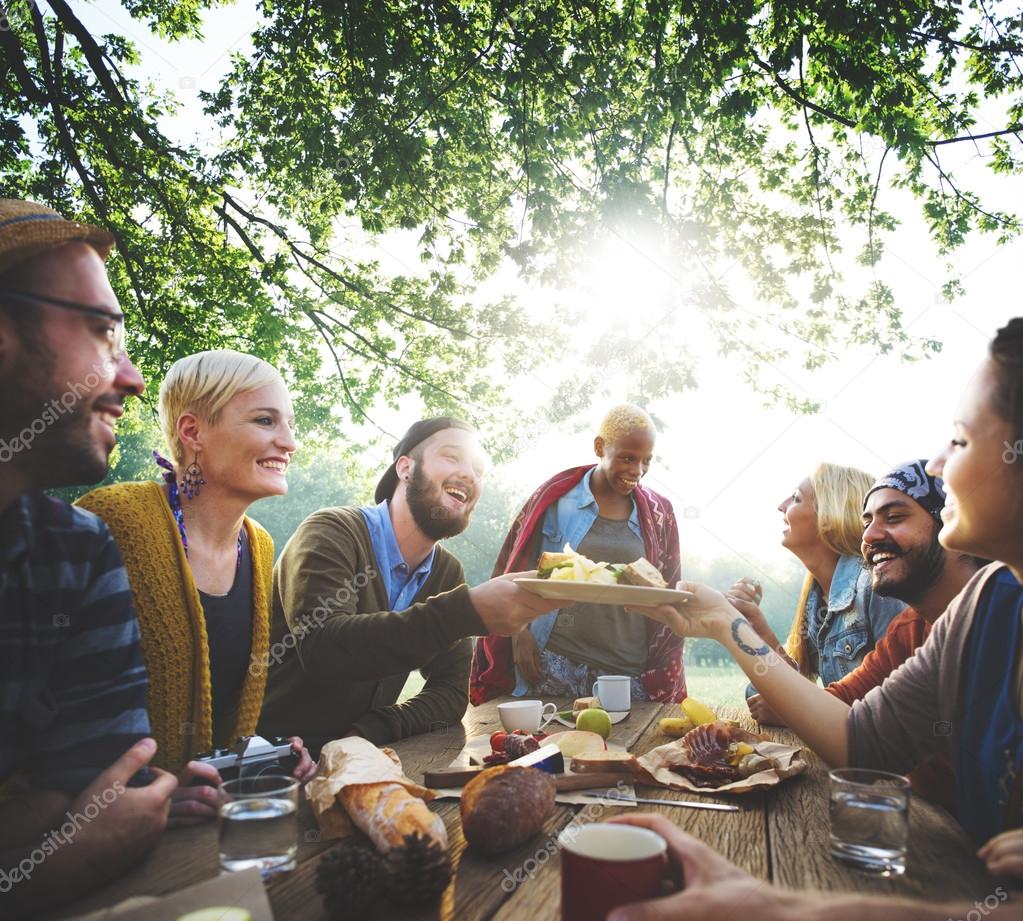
<point>912,479</point>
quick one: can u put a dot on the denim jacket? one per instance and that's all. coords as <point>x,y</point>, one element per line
<point>567,521</point>
<point>854,620</point>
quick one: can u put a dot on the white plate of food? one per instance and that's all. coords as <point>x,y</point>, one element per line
<point>570,576</point>
<point>598,593</point>
<point>616,717</point>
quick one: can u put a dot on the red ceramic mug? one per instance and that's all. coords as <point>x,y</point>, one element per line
<point>604,866</point>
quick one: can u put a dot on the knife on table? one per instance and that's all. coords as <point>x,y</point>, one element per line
<point>687,804</point>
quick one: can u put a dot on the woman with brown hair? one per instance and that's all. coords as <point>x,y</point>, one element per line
<point>961,694</point>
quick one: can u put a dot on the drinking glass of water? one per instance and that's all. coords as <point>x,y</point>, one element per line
<point>259,823</point>
<point>870,820</point>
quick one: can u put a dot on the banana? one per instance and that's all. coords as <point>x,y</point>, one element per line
<point>675,727</point>
<point>697,712</point>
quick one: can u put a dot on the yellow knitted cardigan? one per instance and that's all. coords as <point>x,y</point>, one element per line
<point>174,640</point>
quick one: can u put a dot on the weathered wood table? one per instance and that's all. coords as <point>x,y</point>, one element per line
<point>781,836</point>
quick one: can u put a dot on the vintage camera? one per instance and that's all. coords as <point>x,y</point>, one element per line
<point>252,756</point>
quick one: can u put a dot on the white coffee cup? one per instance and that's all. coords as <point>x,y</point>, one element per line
<point>614,691</point>
<point>528,715</point>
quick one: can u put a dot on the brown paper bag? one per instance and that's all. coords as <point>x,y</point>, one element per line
<point>786,761</point>
<point>347,762</point>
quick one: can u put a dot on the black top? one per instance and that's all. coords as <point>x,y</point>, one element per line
<point>229,633</point>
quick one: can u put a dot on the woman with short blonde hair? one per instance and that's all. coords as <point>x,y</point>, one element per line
<point>200,569</point>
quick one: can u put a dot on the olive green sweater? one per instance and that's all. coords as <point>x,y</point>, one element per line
<point>338,658</point>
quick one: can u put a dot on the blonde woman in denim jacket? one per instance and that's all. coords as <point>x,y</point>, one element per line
<point>839,618</point>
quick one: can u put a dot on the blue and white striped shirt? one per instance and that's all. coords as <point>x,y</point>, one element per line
<point>73,683</point>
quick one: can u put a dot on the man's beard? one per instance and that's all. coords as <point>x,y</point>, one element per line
<point>924,566</point>
<point>426,502</point>
<point>60,450</point>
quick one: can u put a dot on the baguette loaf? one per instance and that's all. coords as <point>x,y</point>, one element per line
<point>387,812</point>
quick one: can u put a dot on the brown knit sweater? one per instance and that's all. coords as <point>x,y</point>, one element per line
<point>339,659</point>
<point>172,621</point>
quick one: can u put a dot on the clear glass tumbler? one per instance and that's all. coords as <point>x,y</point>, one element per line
<point>259,823</point>
<point>870,820</point>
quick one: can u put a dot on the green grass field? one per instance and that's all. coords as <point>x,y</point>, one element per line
<point>712,686</point>
<point>717,686</point>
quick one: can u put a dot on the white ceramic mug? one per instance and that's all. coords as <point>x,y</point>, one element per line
<point>528,715</point>
<point>614,691</point>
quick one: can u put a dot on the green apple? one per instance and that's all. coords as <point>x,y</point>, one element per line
<point>594,720</point>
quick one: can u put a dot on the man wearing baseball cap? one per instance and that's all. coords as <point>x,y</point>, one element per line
<point>362,596</point>
<point>76,803</point>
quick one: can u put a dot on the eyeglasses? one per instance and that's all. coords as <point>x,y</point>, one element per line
<point>115,334</point>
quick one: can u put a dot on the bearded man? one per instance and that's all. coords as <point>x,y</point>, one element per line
<point>362,596</point>
<point>901,522</point>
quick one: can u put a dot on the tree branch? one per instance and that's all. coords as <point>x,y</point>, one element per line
<point>337,276</point>
<point>15,60</point>
<point>93,53</point>
<point>329,342</point>
<point>667,165</point>
<point>52,79</point>
<point>1012,129</point>
<point>965,199</point>
<point>957,43</point>
<point>805,103</point>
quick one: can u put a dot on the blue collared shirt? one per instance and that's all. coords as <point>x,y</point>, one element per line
<point>402,582</point>
<point>567,521</point>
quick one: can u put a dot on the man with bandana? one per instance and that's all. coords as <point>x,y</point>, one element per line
<point>901,521</point>
<point>362,596</point>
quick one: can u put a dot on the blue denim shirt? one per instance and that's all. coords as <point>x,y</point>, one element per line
<point>854,620</point>
<point>402,584</point>
<point>567,521</point>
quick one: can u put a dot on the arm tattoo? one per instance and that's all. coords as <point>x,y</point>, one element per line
<point>745,647</point>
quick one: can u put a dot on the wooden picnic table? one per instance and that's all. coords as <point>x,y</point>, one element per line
<point>781,836</point>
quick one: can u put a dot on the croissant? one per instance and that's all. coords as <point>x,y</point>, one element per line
<point>387,812</point>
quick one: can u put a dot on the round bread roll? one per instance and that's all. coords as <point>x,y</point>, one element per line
<point>505,806</point>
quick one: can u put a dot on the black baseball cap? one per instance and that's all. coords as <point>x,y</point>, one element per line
<point>417,434</point>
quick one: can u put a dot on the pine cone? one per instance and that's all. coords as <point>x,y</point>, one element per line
<point>350,878</point>
<point>418,871</point>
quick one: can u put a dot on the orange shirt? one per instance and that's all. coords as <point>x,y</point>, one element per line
<point>933,779</point>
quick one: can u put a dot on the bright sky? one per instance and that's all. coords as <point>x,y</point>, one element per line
<point>724,460</point>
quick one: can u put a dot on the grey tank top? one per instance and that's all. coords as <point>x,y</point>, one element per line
<point>601,635</point>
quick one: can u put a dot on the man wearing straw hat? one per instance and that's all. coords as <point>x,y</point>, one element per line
<point>77,802</point>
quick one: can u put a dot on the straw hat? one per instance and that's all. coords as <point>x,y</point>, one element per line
<point>28,229</point>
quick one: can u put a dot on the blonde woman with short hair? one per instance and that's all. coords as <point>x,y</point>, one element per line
<point>200,569</point>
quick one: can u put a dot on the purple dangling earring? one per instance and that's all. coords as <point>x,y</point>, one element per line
<point>192,480</point>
